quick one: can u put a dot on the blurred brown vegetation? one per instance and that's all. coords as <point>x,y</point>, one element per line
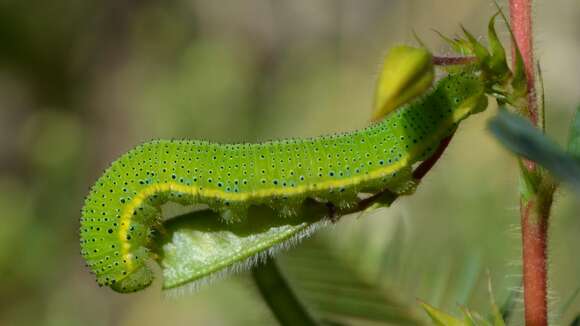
<point>81,82</point>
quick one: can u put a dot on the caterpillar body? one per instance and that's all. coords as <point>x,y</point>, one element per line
<point>123,208</point>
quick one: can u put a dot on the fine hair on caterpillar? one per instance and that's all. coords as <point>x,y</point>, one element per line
<point>123,208</point>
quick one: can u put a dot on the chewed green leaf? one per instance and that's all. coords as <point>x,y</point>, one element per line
<point>407,72</point>
<point>198,247</point>
<point>520,137</point>
<point>441,318</point>
<point>574,136</point>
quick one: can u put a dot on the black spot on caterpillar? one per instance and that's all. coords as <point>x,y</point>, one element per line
<point>124,206</point>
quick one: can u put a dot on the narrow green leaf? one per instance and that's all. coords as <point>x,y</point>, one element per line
<point>495,311</point>
<point>520,137</point>
<point>497,62</point>
<point>519,82</point>
<point>508,306</point>
<point>441,318</point>
<point>468,318</point>
<point>541,99</point>
<point>478,49</point>
<point>574,136</point>
<point>458,45</point>
<point>528,182</point>
<point>472,318</point>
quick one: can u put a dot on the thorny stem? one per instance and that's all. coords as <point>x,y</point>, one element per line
<point>534,211</point>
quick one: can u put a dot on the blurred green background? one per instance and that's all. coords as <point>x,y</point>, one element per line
<point>81,82</point>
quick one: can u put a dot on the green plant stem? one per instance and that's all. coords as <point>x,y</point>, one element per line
<point>279,297</point>
<point>535,209</point>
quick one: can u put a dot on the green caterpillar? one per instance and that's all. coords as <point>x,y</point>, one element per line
<point>124,206</point>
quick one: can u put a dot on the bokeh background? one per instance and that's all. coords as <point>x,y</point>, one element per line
<point>81,82</point>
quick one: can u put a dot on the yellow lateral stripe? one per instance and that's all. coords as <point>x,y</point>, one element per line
<point>125,219</point>
<point>220,194</point>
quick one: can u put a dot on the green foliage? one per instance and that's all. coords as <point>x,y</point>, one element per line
<point>336,289</point>
<point>470,318</point>
<point>574,135</point>
<point>497,61</point>
<point>519,136</point>
<point>441,318</point>
<point>505,84</point>
<point>369,272</point>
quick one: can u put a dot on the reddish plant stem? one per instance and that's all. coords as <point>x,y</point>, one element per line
<point>450,61</point>
<point>534,211</point>
<point>521,21</point>
<point>535,272</point>
<point>426,165</point>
